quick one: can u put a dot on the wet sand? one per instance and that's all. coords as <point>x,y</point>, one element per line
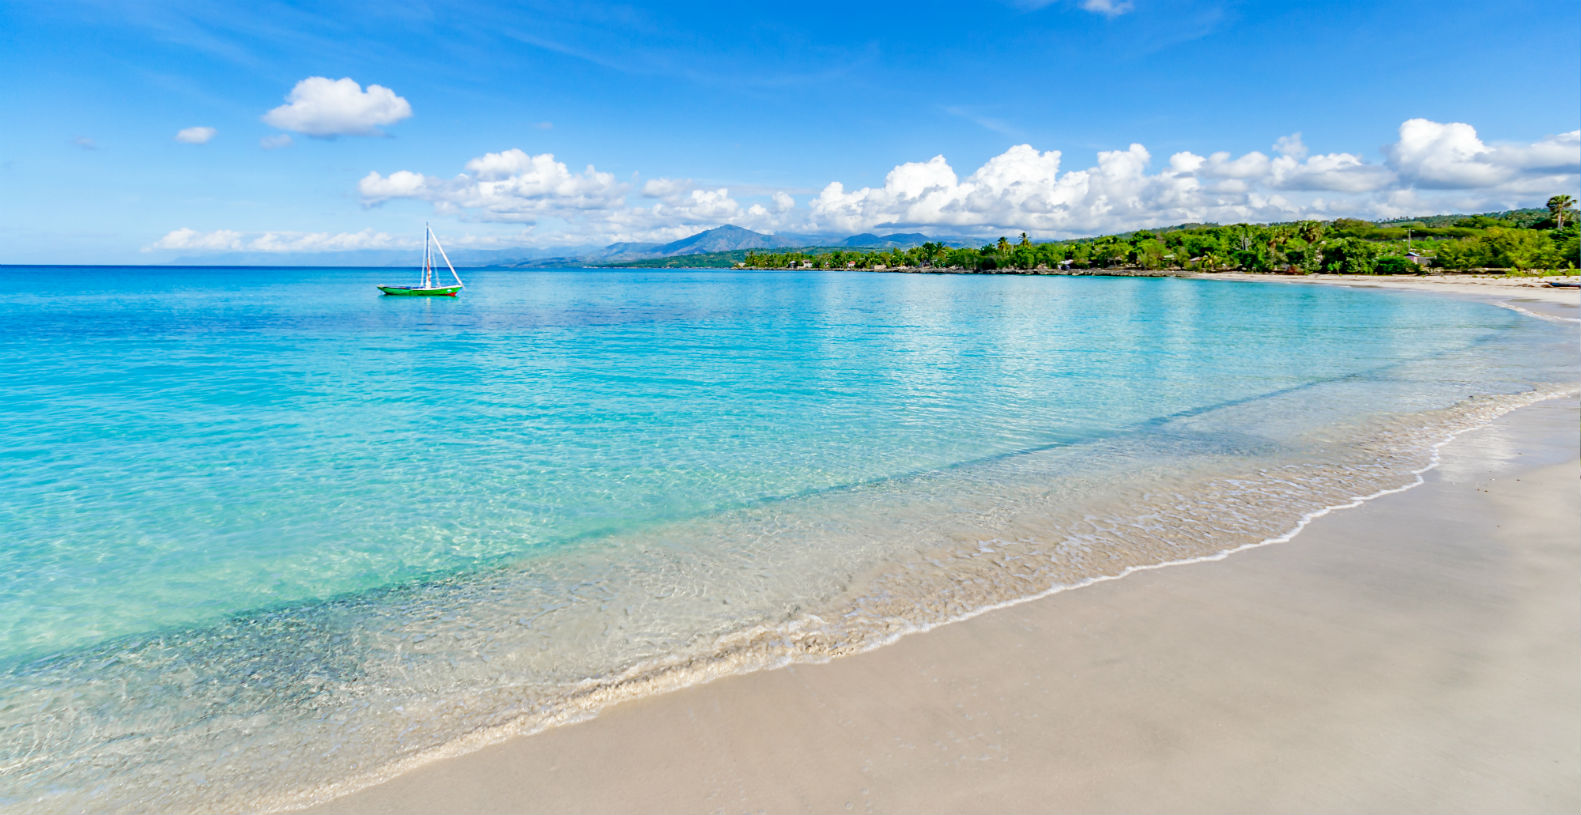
<point>1420,652</point>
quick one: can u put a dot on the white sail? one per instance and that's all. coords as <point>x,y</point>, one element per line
<point>442,254</point>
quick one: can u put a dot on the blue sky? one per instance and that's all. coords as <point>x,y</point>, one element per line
<point>140,132</point>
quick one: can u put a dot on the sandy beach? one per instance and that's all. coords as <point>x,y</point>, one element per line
<point>1421,652</point>
<point>1494,286</point>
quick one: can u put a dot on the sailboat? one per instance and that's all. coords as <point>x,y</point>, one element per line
<point>429,287</point>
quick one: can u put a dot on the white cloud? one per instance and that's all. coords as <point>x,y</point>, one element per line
<point>1021,187</point>
<point>509,186</point>
<point>1342,172</point>
<point>1433,167</point>
<point>195,135</point>
<point>184,238</point>
<point>495,166</point>
<point>324,107</point>
<point>1430,154</point>
<point>666,187</point>
<point>1108,8</point>
<point>1554,154</point>
<point>1220,165</point>
<point>85,143</point>
<point>275,142</point>
<point>222,240</point>
<point>1291,146</point>
<point>705,205</point>
<point>376,189</point>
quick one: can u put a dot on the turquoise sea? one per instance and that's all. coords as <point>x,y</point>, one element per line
<point>266,535</point>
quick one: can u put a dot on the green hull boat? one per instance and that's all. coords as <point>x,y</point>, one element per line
<point>418,291</point>
<point>429,286</point>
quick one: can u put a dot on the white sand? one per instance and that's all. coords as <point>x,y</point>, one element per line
<point>1498,286</point>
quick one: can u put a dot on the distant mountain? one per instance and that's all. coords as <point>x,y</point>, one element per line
<point>630,249</point>
<point>899,240</point>
<point>725,238</point>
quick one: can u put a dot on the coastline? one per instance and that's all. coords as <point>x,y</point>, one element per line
<point>896,711</point>
<point>1486,286</point>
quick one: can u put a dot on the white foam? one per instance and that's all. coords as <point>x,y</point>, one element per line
<point>1553,318</point>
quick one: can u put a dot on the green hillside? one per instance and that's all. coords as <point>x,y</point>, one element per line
<point>1516,241</point>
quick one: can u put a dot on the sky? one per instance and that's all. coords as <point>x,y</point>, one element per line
<point>143,132</point>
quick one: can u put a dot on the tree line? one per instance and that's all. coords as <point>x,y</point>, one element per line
<point>1519,240</point>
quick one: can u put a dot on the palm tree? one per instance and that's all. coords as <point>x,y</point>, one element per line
<point>1559,205</point>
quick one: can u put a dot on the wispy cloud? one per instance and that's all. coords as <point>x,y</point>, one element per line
<point>195,135</point>
<point>632,41</point>
<point>228,240</point>
<point>245,34</point>
<point>1108,8</point>
<point>996,125</point>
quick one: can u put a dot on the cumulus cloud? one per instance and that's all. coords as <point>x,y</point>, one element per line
<point>195,135</point>
<point>1432,155</point>
<point>1019,188</point>
<point>666,187</point>
<point>1291,146</point>
<point>683,208</point>
<point>1431,167</point>
<point>324,107</point>
<point>1339,172</point>
<point>222,240</point>
<point>376,189</point>
<point>510,186</point>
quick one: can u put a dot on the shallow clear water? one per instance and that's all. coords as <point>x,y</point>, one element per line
<point>264,531</point>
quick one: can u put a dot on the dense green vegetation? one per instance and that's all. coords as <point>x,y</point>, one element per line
<point>1519,241</point>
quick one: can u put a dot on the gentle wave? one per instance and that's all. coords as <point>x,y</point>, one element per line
<point>1006,532</point>
<point>813,638</point>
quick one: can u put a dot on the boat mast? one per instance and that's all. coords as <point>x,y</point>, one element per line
<point>427,254</point>
<point>446,257</point>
